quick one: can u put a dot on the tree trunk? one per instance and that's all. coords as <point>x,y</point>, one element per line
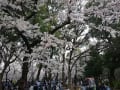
<point>49,75</point>
<point>39,70</point>
<point>63,73</point>
<point>111,77</point>
<point>1,77</point>
<point>22,83</point>
<point>0,81</point>
<point>69,70</point>
<point>69,77</point>
<point>2,73</point>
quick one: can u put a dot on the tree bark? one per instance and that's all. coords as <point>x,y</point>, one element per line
<point>69,69</point>
<point>39,70</point>
<point>2,73</point>
<point>49,75</point>
<point>63,73</point>
<point>1,81</point>
<point>69,77</point>
<point>22,83</point>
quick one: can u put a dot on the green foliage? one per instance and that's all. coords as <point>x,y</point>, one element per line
<point>94,65</point>
<point>92,19</point>
<point>96,20</point>
<point>92,4</point>
<point>112,56</point>
<point>9,35</point>
<point>43,19</point>
<point>116,84</point>
<point>58,34</point>
<point>93,68</point>
<point>39,65</point>
<point>115,26</point>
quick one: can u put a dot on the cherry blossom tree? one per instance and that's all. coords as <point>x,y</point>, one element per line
<point>103,19</point>
<point>103,15</point>
<point>17,24</point>
<point>15,21</point>
<point>9,53</point>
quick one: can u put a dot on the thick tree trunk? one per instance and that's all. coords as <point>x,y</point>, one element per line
<point>22,83</point>
<point>39,70</point>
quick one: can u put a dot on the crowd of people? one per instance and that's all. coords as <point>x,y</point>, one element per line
<point>37,85</point>
<point>84,84</point>
<point>91,84</point>
<point>47,85</point>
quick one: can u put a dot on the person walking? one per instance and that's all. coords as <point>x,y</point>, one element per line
<point>31,87</point>
<point>84,84</point>
<point>101,86</point>
<point>107,86</point>
<point>53,84</point>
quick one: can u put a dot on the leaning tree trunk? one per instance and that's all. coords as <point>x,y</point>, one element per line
<point>22,83</point>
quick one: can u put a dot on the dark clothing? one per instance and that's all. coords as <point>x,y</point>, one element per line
<point>36,87</point>
<point>90,88</point>
<point>102,87</point>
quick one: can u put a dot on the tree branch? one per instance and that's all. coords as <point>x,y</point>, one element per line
<point>60,26</point>
<point>33,13</point>
<point>79,56</point>
<point>24,39</point>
